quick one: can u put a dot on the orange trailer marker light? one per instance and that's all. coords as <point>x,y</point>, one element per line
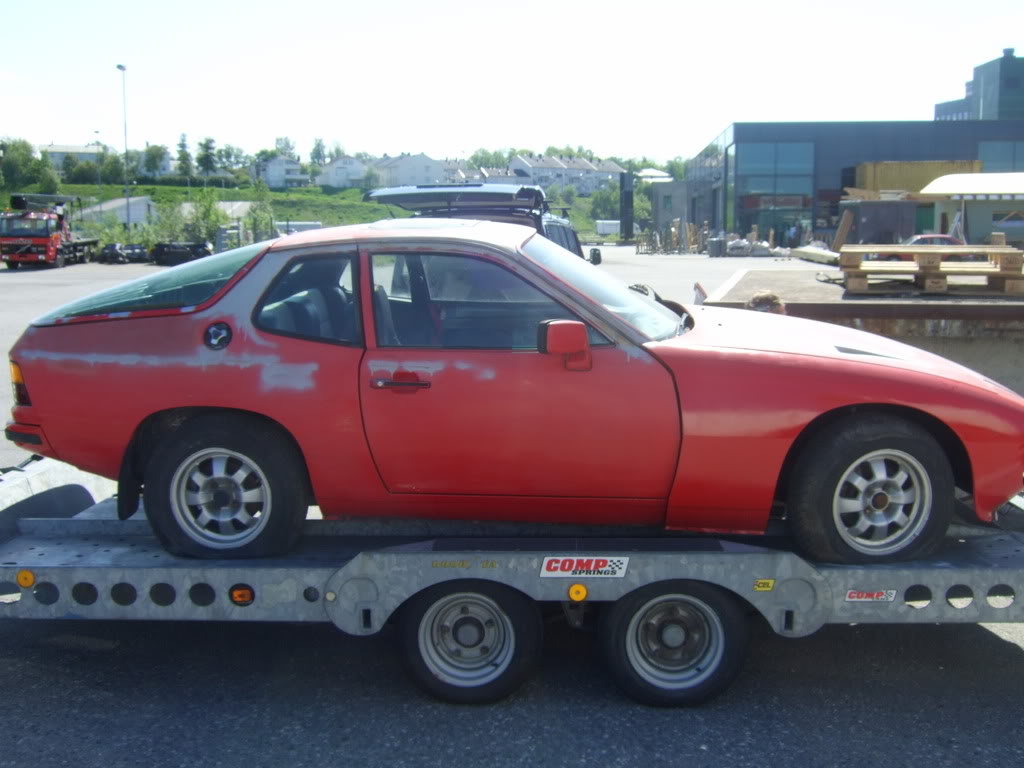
<point>26,579</point>
<point>578,593</point>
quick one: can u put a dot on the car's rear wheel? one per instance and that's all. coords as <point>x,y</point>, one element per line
<point>226,486</point>
<point>675,643</point>
<point>872,489</point>
<point>470,642</point>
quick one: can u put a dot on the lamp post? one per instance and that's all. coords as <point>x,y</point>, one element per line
<point>124,112</point>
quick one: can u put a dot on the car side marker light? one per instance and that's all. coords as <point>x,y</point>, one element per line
<point>26,579</point>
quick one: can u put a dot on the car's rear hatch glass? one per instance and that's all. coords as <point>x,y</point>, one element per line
<point>181,287</point>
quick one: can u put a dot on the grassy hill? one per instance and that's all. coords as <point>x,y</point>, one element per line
<point>329,206</point>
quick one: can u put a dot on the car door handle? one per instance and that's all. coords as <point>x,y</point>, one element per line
<point>392,384</point>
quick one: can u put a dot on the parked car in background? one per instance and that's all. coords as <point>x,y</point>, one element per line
<point>928,240</point>
<point>135,253</point>
<point>511,203</point>
<point>111,253</point>
<point>169,254</point>
<point>441,368</point>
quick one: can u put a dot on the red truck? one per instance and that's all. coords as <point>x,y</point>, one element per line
<point>36,230</point>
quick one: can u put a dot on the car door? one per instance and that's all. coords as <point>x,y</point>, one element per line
<point>458,400</point>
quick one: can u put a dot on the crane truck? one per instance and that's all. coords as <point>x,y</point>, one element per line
<point>36,230</point>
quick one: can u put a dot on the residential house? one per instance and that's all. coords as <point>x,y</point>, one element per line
<point>499,176</point>
<point>279,173</point>
<point>547,171</point>
<point>82,153</point>
<point>409,170</point>
<point>343,171</point>
<point>460,172</point>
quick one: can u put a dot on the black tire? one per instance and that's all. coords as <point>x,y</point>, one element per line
<point>497,628</point>
<point>675,643</point>
<point>870,489</point>
<point>12,264</point>
<point>208,455</point>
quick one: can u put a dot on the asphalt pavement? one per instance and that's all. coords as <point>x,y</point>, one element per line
<point>210,694</point>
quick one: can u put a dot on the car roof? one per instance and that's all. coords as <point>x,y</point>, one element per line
<point>425,198</point>
<point>509,236</point>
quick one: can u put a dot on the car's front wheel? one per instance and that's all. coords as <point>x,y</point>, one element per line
<point>226,486</point>
<point>871,489</point>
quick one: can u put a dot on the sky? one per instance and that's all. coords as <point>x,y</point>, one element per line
<point>652,78</point>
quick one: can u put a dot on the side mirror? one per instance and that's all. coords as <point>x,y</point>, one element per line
<point>595,255</point>
<point>568,338</point>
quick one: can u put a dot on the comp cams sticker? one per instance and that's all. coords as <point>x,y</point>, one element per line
<point>591,567</point>
<point>880,596</point>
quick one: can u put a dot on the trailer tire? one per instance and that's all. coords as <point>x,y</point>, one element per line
<point>870,490</point>
<point>226,486</point>
<point>470,641</point>
<point>674,643</point>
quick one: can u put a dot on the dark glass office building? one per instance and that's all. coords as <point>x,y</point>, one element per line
<point>777,175</point>
<point>995,93</point>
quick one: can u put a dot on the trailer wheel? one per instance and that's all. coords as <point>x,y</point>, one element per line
<point>675,643</point>
<point>470,642</point>
<point>874,489</point>
<point>226,486</point>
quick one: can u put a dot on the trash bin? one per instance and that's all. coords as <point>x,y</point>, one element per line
<point>716,246</point>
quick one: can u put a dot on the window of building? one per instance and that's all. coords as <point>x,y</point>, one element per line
<point>1001,156</point>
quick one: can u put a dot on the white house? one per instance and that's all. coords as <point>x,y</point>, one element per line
<point>409,170</point>
<point>341,172</point>
<point>279,172</point>
<point>561,172</point>
<point>81,153</point>
<point>460,171</point>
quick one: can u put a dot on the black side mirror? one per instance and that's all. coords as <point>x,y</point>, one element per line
<point>595,255</point>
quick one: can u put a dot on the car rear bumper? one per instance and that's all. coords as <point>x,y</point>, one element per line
<point>29,437</point>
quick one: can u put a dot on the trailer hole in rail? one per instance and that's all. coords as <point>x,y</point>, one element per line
<point>202,595</point>
<point>1001,596</point>
<point>46,593</point>
<point>123,594</point>
<point>84,593</point>
<point>959,596</point>
<point>9,592</point>
<point>917,596</point>
<point>311,594</point>
<point>162,594</point>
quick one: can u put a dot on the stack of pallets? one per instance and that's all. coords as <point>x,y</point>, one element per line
<point>929,273</point>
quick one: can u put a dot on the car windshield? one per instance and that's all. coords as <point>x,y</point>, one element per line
<point>19,226</point>
<point>652,320</point>
<point>184,286</point>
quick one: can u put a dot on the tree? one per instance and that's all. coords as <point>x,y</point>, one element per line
<point>266,155</point>
<point>483,158</point>
<point>230,158</point>
<point>569,195</point>
<point>112,169</point>
<point>318,155</point>
<point>604,204</point>
<point>19,163</point>
<point>46,177</point>
<point>68,165</point>
<point>206,158</point>
<point>286,147</point>
<point>677,167</point>
<point>206,218</point>
<point>153,158</point>
<point>336,151</point>
<point>261,213</point>
<point>365,157</point>
<point>170,222</point>
<point>370,180</point>
<point>184,165</point>
<point>86,172</point>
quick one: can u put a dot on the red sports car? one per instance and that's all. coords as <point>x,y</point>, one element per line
<point>466,369</point>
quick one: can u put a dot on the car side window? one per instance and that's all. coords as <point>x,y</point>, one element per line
<point>556,234</point>
<point>457,301</point>
<point>313,299</point>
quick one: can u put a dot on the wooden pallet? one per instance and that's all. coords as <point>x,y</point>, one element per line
<point>1003,271</point>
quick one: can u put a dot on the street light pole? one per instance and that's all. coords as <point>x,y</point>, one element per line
<point>124,112</point>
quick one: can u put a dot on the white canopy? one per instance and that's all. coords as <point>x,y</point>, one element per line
<point>993,186</point>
